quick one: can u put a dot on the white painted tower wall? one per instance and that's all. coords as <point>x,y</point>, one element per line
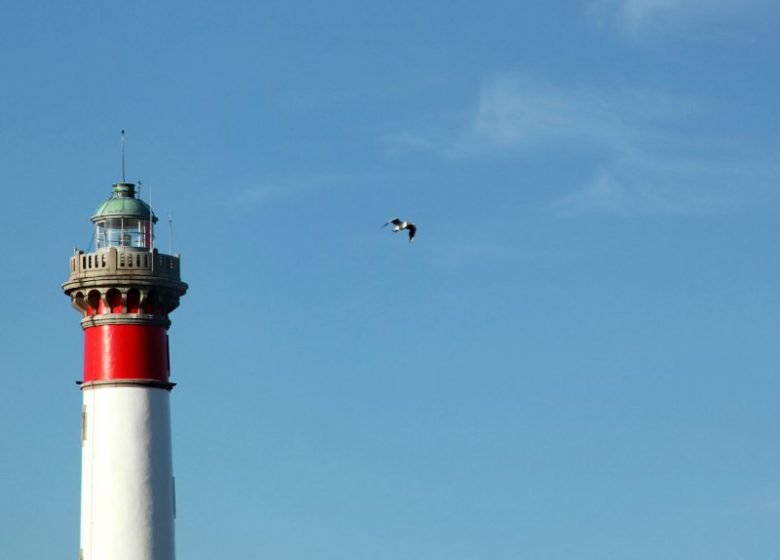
<point>127,490</point>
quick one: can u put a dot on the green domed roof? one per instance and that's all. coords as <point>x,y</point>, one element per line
<point>123,203</point>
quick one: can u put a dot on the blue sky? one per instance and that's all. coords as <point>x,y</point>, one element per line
<point>576,357</point>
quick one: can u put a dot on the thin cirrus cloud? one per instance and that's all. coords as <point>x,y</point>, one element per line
<point>638,184</point>
<point>467,253</point>
<point>514,112</point>
<point>645,158</point>
<point>253,196</point>
<point>517,113</point>
<point>636,18</point>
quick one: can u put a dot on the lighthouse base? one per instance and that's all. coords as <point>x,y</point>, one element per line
<point>127,491</point>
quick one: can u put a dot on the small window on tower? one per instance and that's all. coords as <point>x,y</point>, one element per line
<point>83,425</point>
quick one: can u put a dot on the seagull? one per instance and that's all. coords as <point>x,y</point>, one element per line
<point>399,224</point>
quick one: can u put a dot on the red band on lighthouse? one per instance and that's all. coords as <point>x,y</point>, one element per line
<point>120,351</point>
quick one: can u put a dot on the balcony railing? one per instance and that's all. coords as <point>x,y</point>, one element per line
<point>122,261</point>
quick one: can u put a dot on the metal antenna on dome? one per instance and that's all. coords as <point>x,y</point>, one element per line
<point>123,156</point>
<point>151,221</point>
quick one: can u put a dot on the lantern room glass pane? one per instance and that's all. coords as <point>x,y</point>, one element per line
<point>123,232</point>
<point>101,239</point>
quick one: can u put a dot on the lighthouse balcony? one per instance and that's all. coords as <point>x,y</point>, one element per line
<point>123,261</point>
<point>127,286</point>
<point>124,281</point>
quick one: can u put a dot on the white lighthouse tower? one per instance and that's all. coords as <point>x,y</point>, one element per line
<point>125,290</point>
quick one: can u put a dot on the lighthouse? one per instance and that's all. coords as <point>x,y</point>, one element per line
<point>125,290</point>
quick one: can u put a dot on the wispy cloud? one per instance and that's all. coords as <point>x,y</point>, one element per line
<point>645,156</point>
<point>251,197</point>
<point>518,112</point>
<point>639,185</point>
<point>637,18</point>
<point>471,254</point>
<point>773,504</point>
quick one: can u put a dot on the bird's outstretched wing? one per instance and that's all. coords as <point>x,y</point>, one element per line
<point>394,221</point>
<point>412,231</point>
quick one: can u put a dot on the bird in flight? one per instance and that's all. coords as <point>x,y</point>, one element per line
<point>399,224</point>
